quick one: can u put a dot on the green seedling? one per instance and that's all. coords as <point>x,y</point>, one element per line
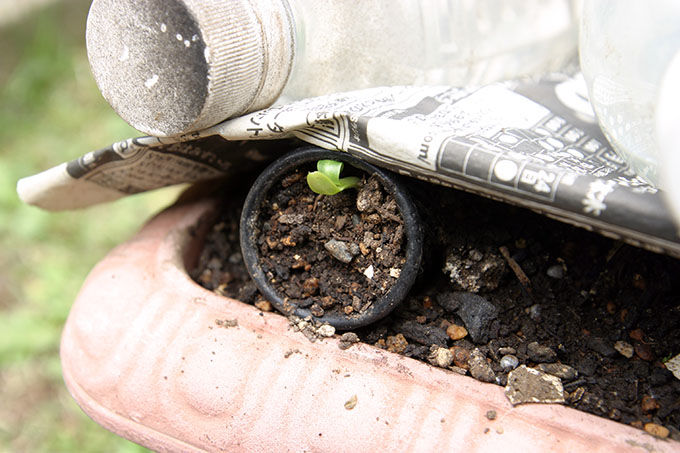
<point>327,181</point>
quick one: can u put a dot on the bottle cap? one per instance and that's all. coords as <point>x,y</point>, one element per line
<point>170,67</point>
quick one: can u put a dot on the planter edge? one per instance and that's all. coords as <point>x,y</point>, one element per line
<point>143,356</point>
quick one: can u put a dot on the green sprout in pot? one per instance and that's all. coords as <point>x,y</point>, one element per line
<point>327,181</point>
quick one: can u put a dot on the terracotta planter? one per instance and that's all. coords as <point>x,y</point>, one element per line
<point>143,355</point>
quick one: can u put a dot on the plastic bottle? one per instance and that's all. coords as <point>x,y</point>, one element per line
<point>626,48</point>
<point>173,66</point>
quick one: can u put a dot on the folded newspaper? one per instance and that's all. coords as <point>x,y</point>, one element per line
<point>530,143</point>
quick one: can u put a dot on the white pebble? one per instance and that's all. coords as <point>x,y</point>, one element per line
<point>509,362</point>
<point>369,272</point>
<point>441,357</point>
<point>326,330</point>
<point>556,271</point>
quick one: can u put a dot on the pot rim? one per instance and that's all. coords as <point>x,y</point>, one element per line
<point>413,232</point>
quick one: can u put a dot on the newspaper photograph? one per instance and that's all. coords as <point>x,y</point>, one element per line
<point>533,143</point>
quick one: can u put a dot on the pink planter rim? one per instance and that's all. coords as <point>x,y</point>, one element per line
<point>146,353</point>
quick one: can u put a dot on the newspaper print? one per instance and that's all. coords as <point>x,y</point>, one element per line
<point>532,143</point>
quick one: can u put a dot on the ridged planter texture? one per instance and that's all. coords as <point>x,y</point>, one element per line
<point>155,358</point>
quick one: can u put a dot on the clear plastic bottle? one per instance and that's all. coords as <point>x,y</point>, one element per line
<point>626,48</point>
<point>173,66</point>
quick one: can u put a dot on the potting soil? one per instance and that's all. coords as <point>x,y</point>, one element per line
<point>515,298</point>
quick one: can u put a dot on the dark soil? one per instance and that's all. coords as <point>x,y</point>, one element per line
<point>504,287</point>
<point>330,253</point>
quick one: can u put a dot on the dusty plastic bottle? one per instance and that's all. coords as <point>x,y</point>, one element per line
<point>173,66</point>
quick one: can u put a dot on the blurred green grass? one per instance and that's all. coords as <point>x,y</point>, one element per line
<point>50,112</point>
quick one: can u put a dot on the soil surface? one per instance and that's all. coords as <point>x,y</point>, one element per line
<point>512,297</point>
<point>335,253</point>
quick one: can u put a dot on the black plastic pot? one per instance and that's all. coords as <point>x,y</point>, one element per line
<point>249,231</point>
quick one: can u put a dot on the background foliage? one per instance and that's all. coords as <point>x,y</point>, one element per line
<point>50,112</point>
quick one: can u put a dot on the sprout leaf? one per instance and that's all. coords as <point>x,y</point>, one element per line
<point>327,181</point>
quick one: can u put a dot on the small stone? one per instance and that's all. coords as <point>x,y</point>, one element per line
<point>576,395</point>
<point>491,415</point>
<point>649,404</point>
<point>310,286</point>
<point>625,349</point>
<point>560,370</point>
<point>339,250</point>
<point>326,330</point>
<point>394,272</point>
<point>396,343</point>
<point>657,430</point>
<point>340,222</point>
<point>674,366</point>
<point>263,305</point>
<point>509,362</point>
<point>480,368</point>
<point>291,219</point>
<point>527,385</point>
<point>363,248</point>
<point>288,241</point>
<point>636,334</point>
<point>368,272</point>
<point>456,332</point>
<point>350,337</point>
<point>475,255</point>
<point>440,357</point>
<point>351,403</point>
<point>316,310</point>
<point>459,370</point>
<point>461,357</point>
<point>347,339</point>
<point>507,351</point>
<point>539,353</point>
<point>556,271</point>
<point>644,351</point>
